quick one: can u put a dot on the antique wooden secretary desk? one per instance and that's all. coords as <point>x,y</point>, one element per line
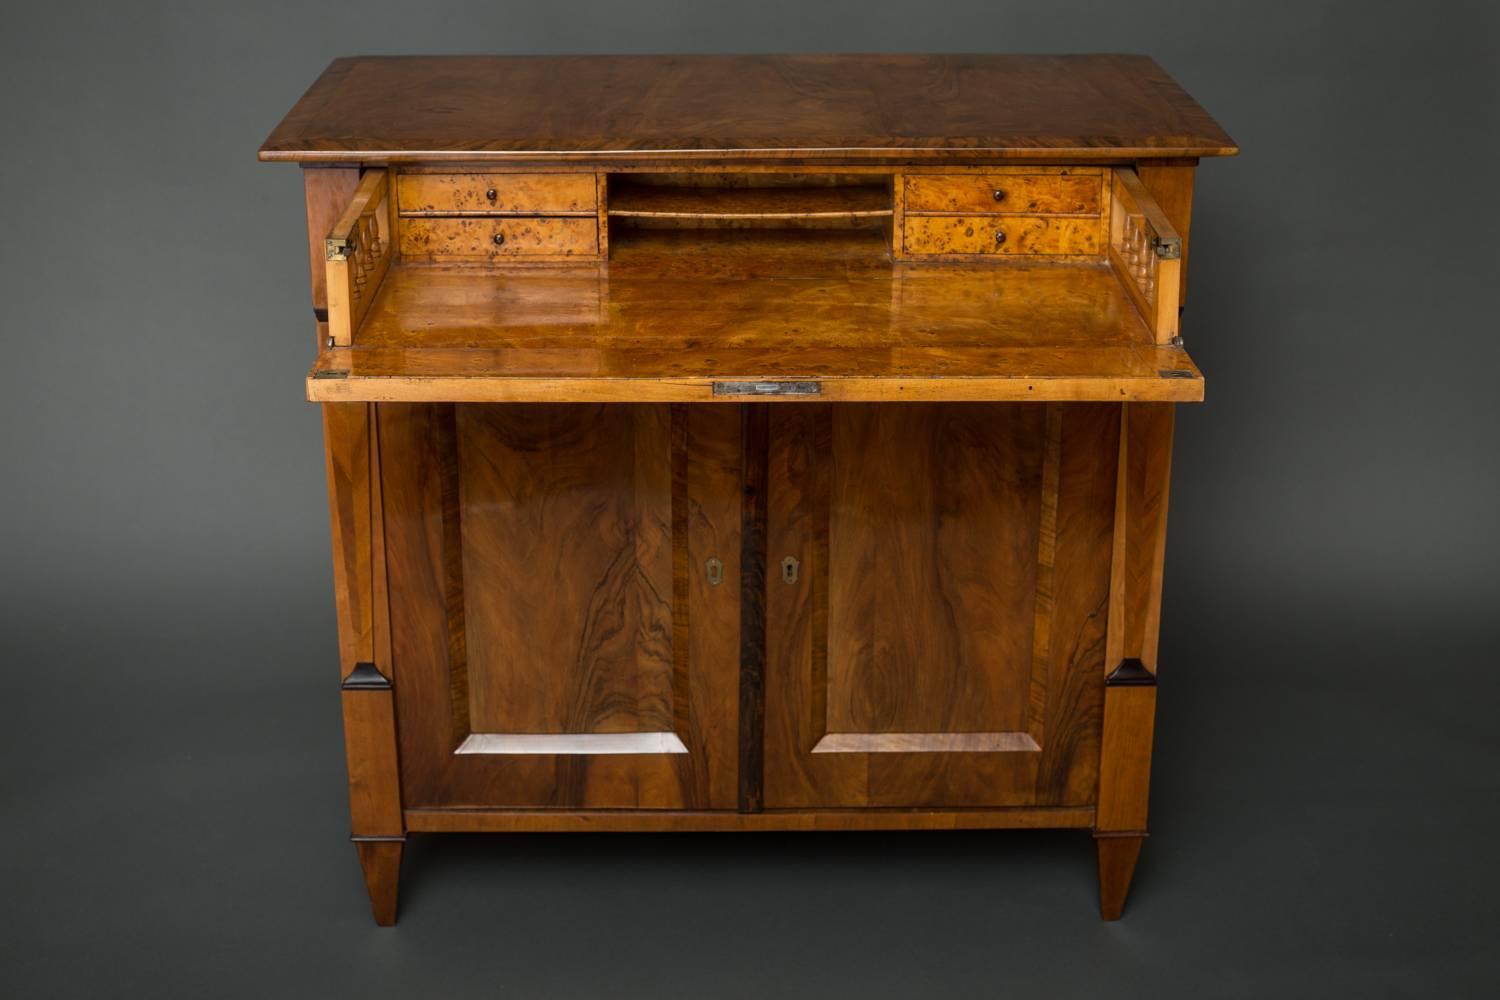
<point>748,443</point>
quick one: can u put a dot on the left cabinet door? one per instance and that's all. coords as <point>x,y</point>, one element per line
<point>564,612</point>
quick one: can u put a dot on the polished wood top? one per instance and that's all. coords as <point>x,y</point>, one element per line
<point>830,108</point>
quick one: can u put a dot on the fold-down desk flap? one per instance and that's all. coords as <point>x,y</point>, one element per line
<point>1106,373</point>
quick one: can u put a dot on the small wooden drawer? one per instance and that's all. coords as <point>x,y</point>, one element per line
<point>497,194</point>
<point>1018,235</point>
<point>1019,194</point>
<point>488,239</point>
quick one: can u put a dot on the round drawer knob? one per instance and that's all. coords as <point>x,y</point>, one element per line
<point>999,194</point>
<point>499,239</point>
<point>999,237</point>
<point>492,194</point>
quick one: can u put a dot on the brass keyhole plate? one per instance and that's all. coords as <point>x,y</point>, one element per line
<point>790,568</point>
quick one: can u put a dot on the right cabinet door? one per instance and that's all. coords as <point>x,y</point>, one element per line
<point>937,594</point>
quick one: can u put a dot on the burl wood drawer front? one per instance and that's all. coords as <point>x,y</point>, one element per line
<point>1034,194</point>
<point>1001,234</point>
<point>480,194</point>
<point>488,239</point>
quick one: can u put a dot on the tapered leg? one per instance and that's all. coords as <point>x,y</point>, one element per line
<point>1117,857</point>
<point>381,861</point>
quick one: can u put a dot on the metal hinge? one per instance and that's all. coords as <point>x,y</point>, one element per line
<point>338,247</point>
<point>1169,248</point>
<point>1174,373</point>
<point>331,373</point>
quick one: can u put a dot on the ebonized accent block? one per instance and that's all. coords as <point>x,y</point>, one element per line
<point>365,677</point>
<point>1130,673</point>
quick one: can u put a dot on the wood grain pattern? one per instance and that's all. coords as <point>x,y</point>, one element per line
<point>347,455</point>
<point>1145,459</point>
<point>1125,758</point>
<point>847,108</point>
<point>1001,235</point>
<point>380,861</point>
<point>925,633</point>
<point>1075,193</point>
<point>1145,250</point>
<point>326,193</point>
<point>938,637</point>
<point>572,605</point>
<point>1116,373</point>
<point>370,753</point>
<point>567,568</point>
<point>370,740</point>
<point>430,238</point>
<point>753,296</point>
<point>576,593</point>
<point>1079,605</point>
<point>755,422</point>
<point>1117,858</point>
<point>1171,185</point>
<point>1148,468</point>
<point>513,194</point>
<point>669,316</point>
<point>643,821</point>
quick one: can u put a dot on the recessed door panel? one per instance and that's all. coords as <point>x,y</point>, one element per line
<point>942,642</point>
<point>547,564</point>
<point>566,536</point>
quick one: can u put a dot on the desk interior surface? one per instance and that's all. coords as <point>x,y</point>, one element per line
<point>670,306</point>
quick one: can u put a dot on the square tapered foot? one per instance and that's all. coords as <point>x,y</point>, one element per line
<point>1117,857</point>
<point>381,861</point>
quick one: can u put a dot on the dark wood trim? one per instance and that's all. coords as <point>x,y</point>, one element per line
<point>366,677</point>
<point>755,447</point>
<point>1130,673</point>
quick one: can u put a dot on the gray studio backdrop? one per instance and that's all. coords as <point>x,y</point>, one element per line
<point>171,798</point>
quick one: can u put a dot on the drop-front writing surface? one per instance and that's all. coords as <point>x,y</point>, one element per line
<point>735,443</point>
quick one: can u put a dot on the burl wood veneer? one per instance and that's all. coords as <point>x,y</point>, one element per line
<point>748,442</point>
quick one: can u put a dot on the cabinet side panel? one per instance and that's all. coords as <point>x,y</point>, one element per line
<point>327,192</point>
<point>1171,185</point>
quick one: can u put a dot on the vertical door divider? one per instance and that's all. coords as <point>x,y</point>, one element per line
<point>754,451</point>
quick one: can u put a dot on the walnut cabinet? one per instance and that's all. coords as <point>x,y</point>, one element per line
<point>748,443</point>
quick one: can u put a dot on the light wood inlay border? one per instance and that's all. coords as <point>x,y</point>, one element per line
<point>927,743</point>
<point>569,744</point>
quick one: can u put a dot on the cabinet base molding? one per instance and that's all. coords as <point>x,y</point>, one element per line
<point>659,821</point>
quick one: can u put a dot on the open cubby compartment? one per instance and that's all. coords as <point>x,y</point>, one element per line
<point>751,200</point>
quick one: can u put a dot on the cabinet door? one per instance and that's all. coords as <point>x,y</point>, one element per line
<point>938,637</point>
<point>557,636</point>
